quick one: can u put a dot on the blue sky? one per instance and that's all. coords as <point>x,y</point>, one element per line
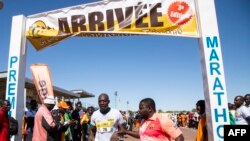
<point>165,68</point>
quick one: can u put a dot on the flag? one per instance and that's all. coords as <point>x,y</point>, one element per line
<point>42,80</point>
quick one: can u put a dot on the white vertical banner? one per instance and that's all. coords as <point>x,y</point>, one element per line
<point>212,70</point>
<point>16,71</point>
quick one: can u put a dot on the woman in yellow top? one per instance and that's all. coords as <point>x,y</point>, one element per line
<point>85,122</point>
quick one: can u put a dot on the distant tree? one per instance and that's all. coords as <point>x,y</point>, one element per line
<point>193,110</point>
<point>160,111</point>
<point>130,111</point>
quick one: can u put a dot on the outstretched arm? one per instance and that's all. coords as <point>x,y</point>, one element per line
<point>180,138</point>
<point>116,134</point>
<point>123,131</point>
<point>133,134</point>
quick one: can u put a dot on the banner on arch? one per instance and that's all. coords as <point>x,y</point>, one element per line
<point>113,18</point>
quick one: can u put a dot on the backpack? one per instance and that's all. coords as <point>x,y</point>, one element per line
<point>13,126</point>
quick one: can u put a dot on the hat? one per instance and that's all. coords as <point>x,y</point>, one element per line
<point>49,100</point>
<point>63,104</point>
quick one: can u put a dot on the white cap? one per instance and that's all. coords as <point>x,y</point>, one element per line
<point>49,100</point>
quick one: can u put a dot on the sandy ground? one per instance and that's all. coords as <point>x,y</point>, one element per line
<point>189,135</point>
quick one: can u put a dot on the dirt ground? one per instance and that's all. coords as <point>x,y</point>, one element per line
<point>189,135</point>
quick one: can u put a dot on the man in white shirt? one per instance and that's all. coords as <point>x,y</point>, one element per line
<point>105,121</point>
<point>242,114</point>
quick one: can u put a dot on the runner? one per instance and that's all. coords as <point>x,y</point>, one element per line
<point>105,121</point>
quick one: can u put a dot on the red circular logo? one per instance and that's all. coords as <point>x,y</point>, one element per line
<point>179,13</point>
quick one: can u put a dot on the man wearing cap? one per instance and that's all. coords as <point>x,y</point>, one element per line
<point>64,132</point>
<point>45,127</point>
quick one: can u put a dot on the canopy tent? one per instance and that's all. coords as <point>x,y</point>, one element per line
<point>59,92</point>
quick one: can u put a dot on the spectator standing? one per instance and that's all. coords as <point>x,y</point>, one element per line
<point>179,120</point>
<point>45,127</point>
<point>4,121</point>
<point>137,121</point>
<point>130,121</point>
<point>24,125</point>
<point>76,116</point>
<point>30,115</point>
<point>105,121</point>
<point>231,113</point>
<point>68,119</point>
<point>190,120</point>
<point>196,120</point>
<point>201,134</point>
<point>183,119</point>
<point>125,119</point>
<point>154,126</point>
<point>64,133</point>
<point>242,114</point>
<point>247,101</point>
<point>85,122</point>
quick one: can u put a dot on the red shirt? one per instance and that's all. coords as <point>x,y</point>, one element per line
<point>39,132</point>
<point>4,126</point>
<point>158,128</point>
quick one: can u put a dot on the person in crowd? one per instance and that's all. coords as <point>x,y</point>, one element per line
<point>174,118</point>
<point>4,121</point>
<point>179,120</point>
<point>76,116</point>
<point>30,115</point>
<point>196,120</point>
<point>201,134</point>
<point>231,113</point>
<point>24,125</point>
<point>130,121</point>
<point>124,123</point>
<point>45,128</point>
<point>85,122</point>
<point>190,120</point>
<point>242,114</point>
<point>69,134</point>
<point>105,121</point>
<point>183,119</point>
<point>154,126</point>
<point>137,121</point>
<point>63,133</point>
<point>247,101</point>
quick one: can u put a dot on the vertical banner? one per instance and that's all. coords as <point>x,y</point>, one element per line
<point>213,71</point>
<point>16,71</point>
<point>42,80</point>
